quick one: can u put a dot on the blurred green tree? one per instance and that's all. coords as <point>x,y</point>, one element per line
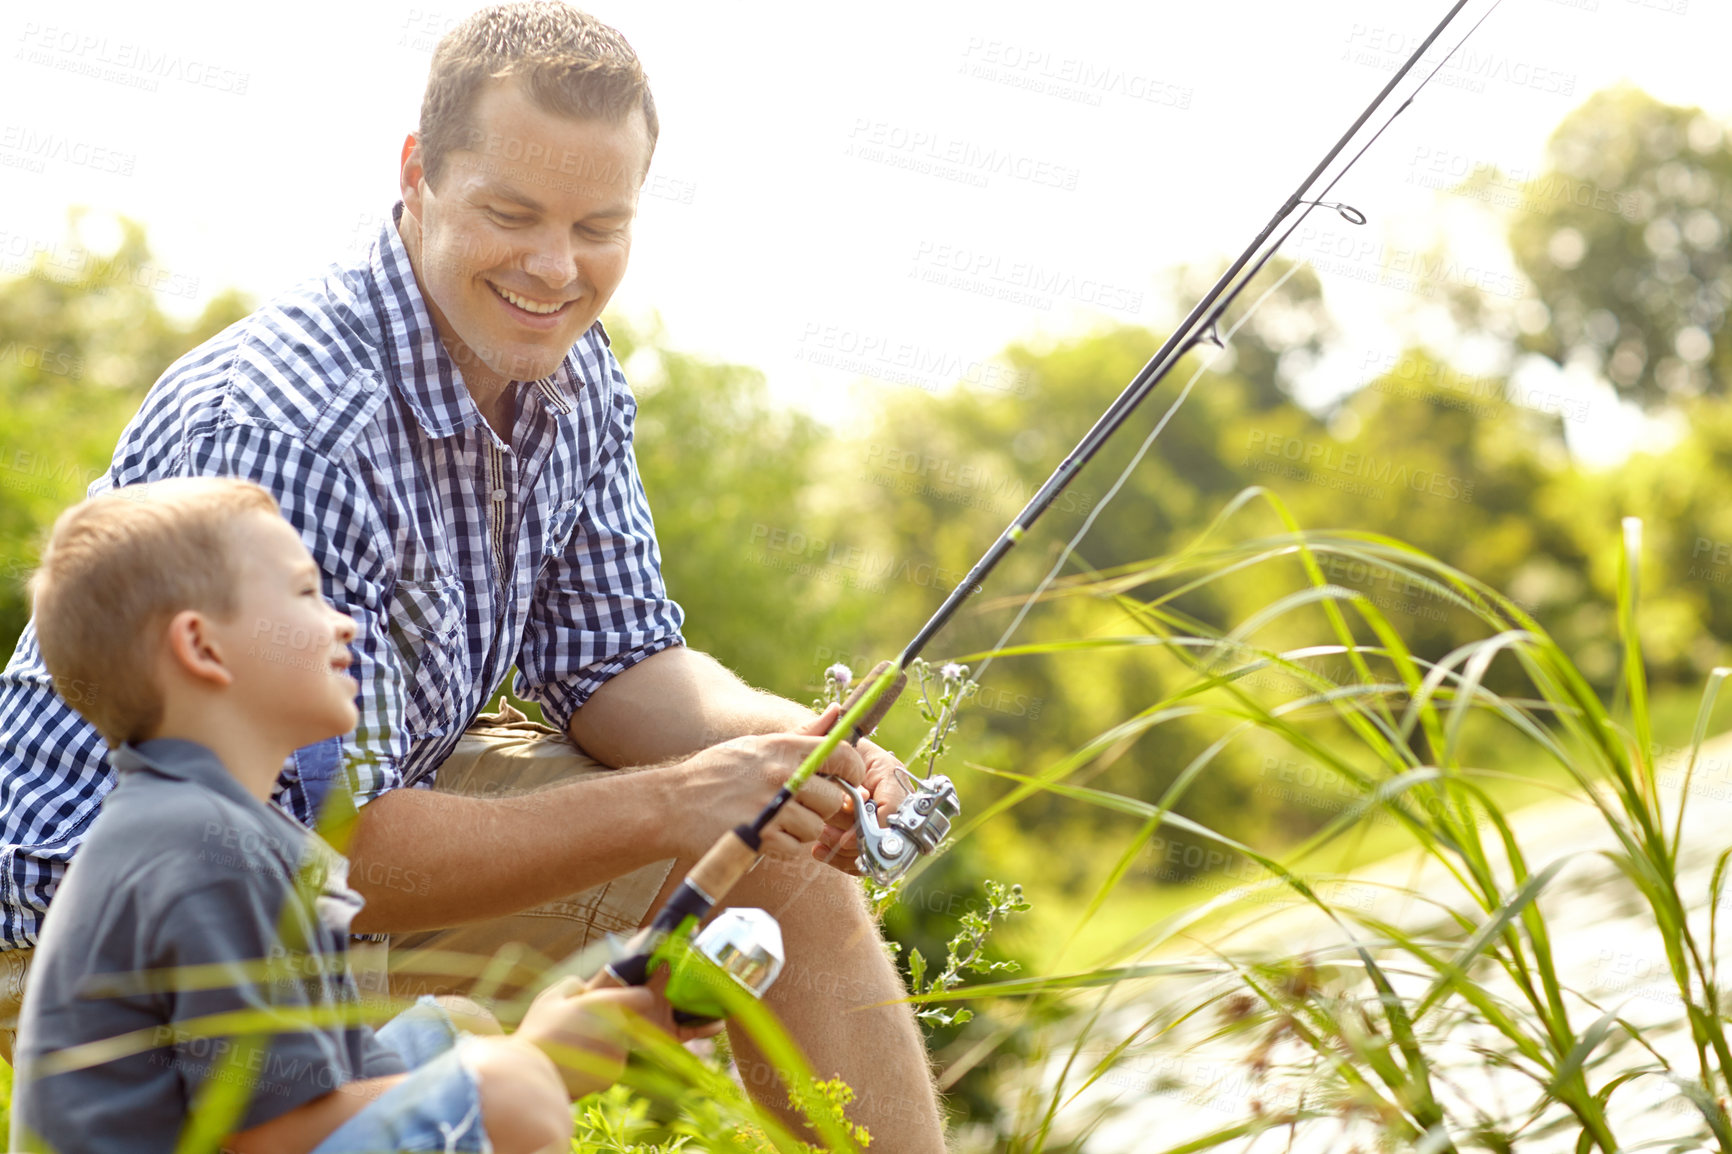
<point>742,504</point>
<point>82,337</point>
<point>1627,244</point>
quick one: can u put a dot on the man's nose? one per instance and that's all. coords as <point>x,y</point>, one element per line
<point>553,261</point>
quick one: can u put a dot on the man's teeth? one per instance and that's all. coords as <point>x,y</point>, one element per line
<point>526,304</point>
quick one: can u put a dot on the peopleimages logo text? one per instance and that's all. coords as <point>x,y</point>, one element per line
<point>1364,466</point>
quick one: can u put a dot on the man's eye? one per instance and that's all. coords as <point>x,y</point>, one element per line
<point>506,218</point>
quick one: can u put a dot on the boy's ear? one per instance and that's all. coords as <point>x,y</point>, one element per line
<point>194,649</point>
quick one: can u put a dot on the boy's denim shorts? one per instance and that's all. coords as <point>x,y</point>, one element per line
<point>437,1107</point>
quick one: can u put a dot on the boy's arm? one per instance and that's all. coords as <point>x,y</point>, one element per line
<point>303,1128</point>
<point>522,1105</point>
<point>580,1037</point>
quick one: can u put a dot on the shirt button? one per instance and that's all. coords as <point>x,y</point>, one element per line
<point>499,494</point>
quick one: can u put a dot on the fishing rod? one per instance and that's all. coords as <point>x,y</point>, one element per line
<point>739,948</point>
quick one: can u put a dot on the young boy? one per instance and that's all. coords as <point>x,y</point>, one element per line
<point>197,944</point>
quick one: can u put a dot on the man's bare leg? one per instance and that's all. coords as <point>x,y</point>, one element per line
<point>828,998</point>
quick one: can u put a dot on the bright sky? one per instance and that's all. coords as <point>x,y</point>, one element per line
<point>852,198</point>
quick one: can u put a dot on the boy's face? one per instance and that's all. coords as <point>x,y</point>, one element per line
<point>287,648</point>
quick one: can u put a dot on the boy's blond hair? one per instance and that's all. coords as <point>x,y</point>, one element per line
<point>116,568</point>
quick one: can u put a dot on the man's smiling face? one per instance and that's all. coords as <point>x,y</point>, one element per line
<point>525,237</point>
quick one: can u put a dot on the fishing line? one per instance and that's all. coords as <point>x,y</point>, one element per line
<point>1148,443</point>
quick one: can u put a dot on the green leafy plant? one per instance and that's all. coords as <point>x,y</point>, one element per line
<point>615,1120</point>
<point>967,954</point>
<point>939,708</point>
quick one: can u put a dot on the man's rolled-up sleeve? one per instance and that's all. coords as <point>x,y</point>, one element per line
<point>341,529</point>
<point>601,605</point>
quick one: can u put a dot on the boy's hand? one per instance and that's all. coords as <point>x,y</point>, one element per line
<point>585,1034</point>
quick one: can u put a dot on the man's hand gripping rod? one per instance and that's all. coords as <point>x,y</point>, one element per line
<point>919,824</point>
<point>922,821</point>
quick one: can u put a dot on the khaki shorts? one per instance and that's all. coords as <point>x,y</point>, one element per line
<point>14,968</point>
<point>501,754</point>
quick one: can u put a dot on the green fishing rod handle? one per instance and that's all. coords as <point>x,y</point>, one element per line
<point>861,714</point>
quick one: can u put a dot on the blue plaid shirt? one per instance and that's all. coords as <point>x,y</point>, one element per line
<point>457,554</point>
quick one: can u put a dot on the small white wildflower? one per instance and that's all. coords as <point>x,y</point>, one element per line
<point>953,672</point>
<point>841,675</point>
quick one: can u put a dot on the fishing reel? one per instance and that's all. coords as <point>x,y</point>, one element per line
<point>917,827</point>
<point>739,952</point>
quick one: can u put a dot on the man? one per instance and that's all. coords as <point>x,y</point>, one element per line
<point>444,424</point>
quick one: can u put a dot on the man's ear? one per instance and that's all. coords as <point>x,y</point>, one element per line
<point>194,651</point>
<point>411,174</point>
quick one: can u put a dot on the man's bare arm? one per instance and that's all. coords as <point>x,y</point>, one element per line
<point>681,700</point>
<point>673,704</point>
<point>457,859</point>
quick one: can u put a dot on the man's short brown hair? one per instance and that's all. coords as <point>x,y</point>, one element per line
<point>116,568</point>
<point>570,63</point>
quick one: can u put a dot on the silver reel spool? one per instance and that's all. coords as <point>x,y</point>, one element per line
<point>917,827</point>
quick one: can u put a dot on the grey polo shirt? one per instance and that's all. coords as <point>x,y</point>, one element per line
<point>184,868</point>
